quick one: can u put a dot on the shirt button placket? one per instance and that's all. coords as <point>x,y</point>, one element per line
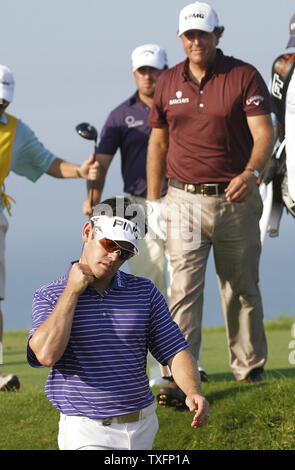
<point>201,104</point>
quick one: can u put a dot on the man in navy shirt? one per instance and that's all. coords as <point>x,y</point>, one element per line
<point>94,327</point>
<point>126,129</point>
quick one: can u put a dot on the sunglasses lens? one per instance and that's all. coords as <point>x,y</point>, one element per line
<point>125,255</point>
<point>110,246</point>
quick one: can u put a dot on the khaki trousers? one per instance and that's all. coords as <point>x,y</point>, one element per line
<point>196,223</point>
<point>3,230</point>
<point>152,262</point>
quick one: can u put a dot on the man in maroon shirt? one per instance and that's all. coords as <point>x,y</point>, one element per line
<point>211,136</point>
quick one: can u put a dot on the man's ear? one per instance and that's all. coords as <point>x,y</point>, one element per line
<point>87,232</point>
<point>218,33</point>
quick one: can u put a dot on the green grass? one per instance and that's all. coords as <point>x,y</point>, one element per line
<point>258,416</point>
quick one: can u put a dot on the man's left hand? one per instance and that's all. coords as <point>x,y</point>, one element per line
<point>200,405</point>
<point>240,188</point>
<point>156,224</point>
<point>89,169</point>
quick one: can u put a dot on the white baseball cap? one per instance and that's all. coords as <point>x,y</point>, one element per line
<point>197,15</point>
<point>149,55</point>
<point>116,229</point>
<point>6,83</point>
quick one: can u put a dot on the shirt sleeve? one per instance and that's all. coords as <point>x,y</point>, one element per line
<point>256,98</point>
<point>110,137</point>
<point>165,338</point>
<point>29,156</point>
<point>157,116</point>
<point>43,305</point>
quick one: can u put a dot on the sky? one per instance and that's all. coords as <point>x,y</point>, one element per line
<point>71,62</point>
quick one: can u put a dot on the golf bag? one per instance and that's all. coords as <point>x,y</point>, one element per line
<point>276,170</point>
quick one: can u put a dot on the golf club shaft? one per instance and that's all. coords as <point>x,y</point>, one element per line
<point>92,183</point>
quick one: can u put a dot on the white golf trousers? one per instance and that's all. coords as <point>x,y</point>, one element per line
<point>81,433</point>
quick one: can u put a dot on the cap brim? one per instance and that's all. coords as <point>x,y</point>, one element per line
<point>110,236</point>
<point>6,94</point>
<point>154,66</point>
<point>116,229</point>
<point>198,26</point>
<point>291,42</point>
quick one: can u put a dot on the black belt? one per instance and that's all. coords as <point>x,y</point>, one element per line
<point>206,189</point>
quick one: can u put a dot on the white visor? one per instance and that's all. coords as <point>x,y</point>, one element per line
<point>116,229</point>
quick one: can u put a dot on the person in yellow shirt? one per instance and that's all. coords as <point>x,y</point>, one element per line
<point>22,153</point>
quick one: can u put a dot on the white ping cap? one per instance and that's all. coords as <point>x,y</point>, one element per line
<point>116,229</point>
<point>197,15</point>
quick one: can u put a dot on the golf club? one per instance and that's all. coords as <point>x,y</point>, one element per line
<point>89,132</point>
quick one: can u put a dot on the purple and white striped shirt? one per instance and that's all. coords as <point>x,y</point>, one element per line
<point>102,372</point>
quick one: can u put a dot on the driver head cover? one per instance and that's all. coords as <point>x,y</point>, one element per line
<point>116,229</point>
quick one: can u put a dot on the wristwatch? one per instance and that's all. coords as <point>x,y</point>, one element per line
<point>255,172</point>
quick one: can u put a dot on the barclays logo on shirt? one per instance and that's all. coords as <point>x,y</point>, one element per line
<point>179,99</point>
<point>130,121</point>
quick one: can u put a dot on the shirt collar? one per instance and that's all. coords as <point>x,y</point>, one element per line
<point>133,99</point>
<point>4,119</point>
<point>119,281</point>
<point>213,69</point>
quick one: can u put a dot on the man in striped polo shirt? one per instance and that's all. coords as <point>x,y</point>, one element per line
<point>94,327</point>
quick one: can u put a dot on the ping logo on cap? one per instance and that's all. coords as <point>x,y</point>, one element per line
<point>126,225</point>
<point>195,15</point>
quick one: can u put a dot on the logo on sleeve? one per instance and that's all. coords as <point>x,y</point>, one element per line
<point>257,99</point>
<point>179,99</point>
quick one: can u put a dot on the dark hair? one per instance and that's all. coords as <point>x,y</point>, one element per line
<point>218,30</point>
<point>125,208</point>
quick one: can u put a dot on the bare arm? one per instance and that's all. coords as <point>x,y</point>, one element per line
<point>156,162</point>
<point>186,376</point>
<point>50,340</point>
<point>97,186</point>
<point>61,169</point>
<point>241,187</point>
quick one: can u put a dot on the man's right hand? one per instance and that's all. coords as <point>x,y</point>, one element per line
<point>86,208</point>
<point>89,168</point>
<point>79,278</point>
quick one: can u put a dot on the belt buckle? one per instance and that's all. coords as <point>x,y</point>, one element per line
<point>190,188</point>
<point>204,185</point>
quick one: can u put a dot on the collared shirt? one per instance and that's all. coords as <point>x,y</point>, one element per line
<point>209,138</point>
<point>29,157</point>
<point>126,129</point>
<point>102,372</point>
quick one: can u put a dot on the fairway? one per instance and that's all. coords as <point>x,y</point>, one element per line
<point>258,416</point>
